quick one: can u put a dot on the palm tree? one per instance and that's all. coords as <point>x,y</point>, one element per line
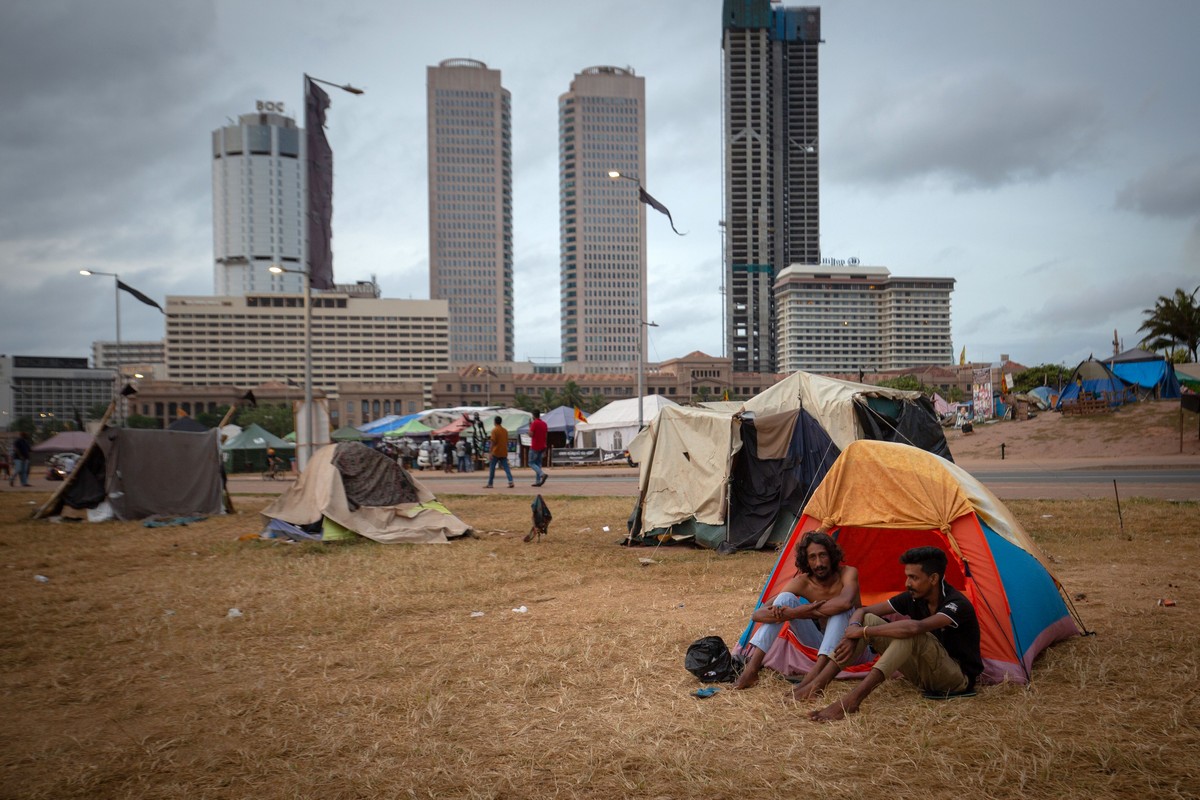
<point>571,395</point>
<point>1173,321</point>
<point>550,399</point>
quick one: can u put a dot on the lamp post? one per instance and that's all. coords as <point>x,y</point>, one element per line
<point>643,197</point>
<point>308,359</point>
<point>117,292</point>
<point>313,113</point>
<point>641,361</point>
<point>487,371</point>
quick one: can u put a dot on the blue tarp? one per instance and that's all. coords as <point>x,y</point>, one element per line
<point>1094,378</point>
<point>379,427</point>
<point>1151,375</point>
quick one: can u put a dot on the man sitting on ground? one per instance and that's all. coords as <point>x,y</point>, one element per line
<point>937,647</point>
<point>829,590</point>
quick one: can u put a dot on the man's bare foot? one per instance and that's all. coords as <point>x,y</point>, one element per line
<point>806,691</point>
<point>831,713</point>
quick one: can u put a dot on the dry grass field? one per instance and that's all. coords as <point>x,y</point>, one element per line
<point>359,671</point>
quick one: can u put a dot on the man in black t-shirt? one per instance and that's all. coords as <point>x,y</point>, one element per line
<point>937,647</point>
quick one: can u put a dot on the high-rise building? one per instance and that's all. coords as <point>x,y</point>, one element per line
<point>258,203</point>
<point>772,177</point>
<point>602,229</point>
<point>470,207</point>
<point>839,317</point>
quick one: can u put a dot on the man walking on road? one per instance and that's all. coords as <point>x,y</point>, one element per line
<point>537,447</point>
<point>499,452</point>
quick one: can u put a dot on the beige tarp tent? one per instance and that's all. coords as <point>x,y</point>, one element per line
<point>320,494</point>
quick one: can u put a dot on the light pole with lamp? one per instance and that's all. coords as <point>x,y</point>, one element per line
<point>641,362</point>
<point>644,197</point>
<point>315,104</point>
<point>308,359</point>
<point>117,287</point>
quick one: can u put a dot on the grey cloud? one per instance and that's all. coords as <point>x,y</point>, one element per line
<point>974,132</point>
<point>1170,190</point>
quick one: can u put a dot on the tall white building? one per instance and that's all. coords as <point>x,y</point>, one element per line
<point>602,234</point>
<point>470,207</point>
<point>258,203</point>
<point>842,318</point>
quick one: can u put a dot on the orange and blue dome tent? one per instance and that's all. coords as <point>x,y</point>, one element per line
<point>882,498</point>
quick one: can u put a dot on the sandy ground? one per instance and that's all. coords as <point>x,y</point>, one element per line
<point>1134,433</point>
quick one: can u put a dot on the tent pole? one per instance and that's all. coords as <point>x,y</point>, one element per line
<point>43,511</point>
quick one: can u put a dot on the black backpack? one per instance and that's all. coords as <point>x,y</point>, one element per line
<point>709,660</point>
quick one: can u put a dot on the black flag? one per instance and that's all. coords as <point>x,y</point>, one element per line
<point>249,398</point>
<point>128,391</point>
<point>319,163</point>
<point>645,197</point>
<point>126,287</point>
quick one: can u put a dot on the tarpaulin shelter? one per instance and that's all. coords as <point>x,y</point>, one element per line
<point>414,428</point>
<point>247,452</point>
<point>1046,396</point>
<point>615,425</point>
<point>1093,379</point>
<point>65,442</point>
<point>880,499</point>
<point>738,481</point>
<point>378,427</point>
<point>1151,373</point>
<point>349,488</point>
<point>347,433</point>
<point>142,473</point>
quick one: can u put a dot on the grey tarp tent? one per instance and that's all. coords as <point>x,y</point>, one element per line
<point>144,473</point>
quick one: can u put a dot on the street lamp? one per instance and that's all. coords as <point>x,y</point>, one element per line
<point>489,373</point>
<point>308,358</point>
<point>117,287</point>
<point>641,361</point>
<point>644,197</point>
<point>316,101</point>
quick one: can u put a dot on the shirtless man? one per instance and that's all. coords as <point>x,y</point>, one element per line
<point>831,591</point>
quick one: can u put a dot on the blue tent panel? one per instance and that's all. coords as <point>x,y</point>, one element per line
<point>1150,375</point>
<point>1034,599</point>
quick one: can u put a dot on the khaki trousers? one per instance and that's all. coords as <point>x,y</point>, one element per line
<point>922,659</point>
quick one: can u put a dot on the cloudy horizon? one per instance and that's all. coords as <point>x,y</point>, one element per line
<point>1043,155</point>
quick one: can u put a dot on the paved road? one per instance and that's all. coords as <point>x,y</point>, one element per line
<point>1168,479</point>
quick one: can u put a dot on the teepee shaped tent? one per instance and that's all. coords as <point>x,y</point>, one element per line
<point>880,499</point>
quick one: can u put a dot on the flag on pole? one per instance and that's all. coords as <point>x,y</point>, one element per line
<point>127,288</point>
<point>579,417</point>
<point>319,171</point>
<point>962,357</point>
<point>645,197</point>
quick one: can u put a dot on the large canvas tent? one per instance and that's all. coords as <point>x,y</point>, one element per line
<point>1094,379</point>
<point>143,473</point>
<point>348,487</point>
<point>615,425</point>
<point>881,499</point>
<point>738,481</point>
<point>1152,374</point>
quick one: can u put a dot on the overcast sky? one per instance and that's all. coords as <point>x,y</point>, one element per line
<point>1046,155</point>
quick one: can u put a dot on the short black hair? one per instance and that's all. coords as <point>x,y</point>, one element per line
<point>826,541</point>
<point>930,559</point>
<point>537,414</point>
<point>499,420</point>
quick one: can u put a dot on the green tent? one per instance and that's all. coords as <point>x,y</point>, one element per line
<point>247,452</point>
<point>349,433</point>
